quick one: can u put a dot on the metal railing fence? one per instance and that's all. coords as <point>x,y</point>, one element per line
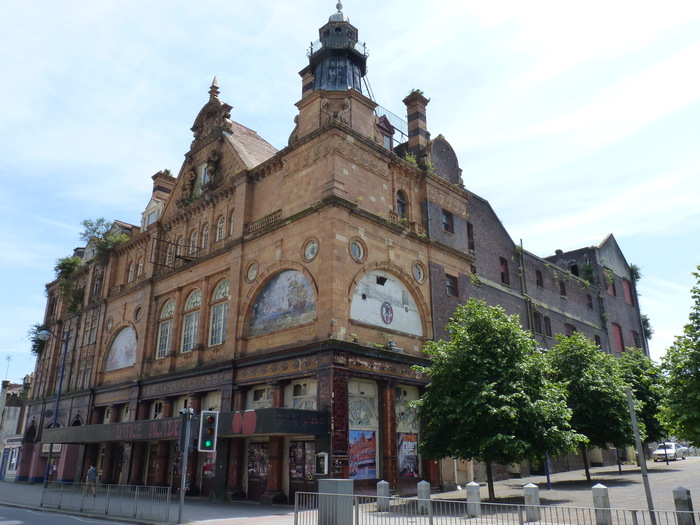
<point>335,509</point>
<point>128,501</point>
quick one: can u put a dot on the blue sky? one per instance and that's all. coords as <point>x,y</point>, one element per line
<point>574,121</point>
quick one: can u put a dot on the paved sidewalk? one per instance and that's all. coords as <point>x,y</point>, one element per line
<point>198,511</point>
<point>568,489</point>
<point>571,489</point>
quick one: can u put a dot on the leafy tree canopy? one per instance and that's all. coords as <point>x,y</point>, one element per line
<point>647,383</point>
<point>67,266</point>
<point>103,235</point>
<point>95,228</point>
<point>490,397</point>
<point>681,402</point>
<point>37,345</point>
<point>596,390</point>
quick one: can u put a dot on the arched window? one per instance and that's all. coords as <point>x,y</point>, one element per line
<point>618,341</point>
<point>205,237</point>
<point>130,273</point>
<point>220,225</point>
<point>191,321</point>
<point>180,245</point>
<point>193,242</point>
<point>401,204</point>
<point>139,268</point>
<point>230,224</point>
<point>96,287</point>
<point>165,327</point>
<point>219,311</point>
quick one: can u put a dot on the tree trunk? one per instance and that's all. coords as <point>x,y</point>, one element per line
<point>489,480</point>
<point>584,452</point>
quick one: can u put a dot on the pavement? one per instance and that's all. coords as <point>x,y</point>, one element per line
<point>626,489</point>
<point>570,489</point>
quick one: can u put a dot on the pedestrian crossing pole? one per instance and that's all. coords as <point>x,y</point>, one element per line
<point>185,438</point>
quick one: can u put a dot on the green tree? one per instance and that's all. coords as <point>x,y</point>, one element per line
<point>67,266</point>
<point>103,235</point>
<point>596,393</point>
<point>64,269</point>
<point>490,398</point>
<point>647,383</point>
<point>95,228</point>
<point>37,345</point>
<point>680,410</point>
<point>646,326</point>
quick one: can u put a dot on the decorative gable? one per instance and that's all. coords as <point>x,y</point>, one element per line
<point>214,117</point>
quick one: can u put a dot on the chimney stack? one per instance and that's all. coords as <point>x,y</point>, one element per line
<point>418,135</point>
<point>163,184</point>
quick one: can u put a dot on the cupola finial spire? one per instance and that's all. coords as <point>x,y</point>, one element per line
<point>214,90</point>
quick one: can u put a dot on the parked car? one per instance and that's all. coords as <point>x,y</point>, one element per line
<point>669,450</point>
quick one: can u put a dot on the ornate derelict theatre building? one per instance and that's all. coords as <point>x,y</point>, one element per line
<point>293,291</point>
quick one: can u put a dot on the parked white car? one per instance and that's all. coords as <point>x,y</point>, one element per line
<point>669,450</point>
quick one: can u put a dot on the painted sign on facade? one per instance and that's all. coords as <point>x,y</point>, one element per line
<point>382,300</point>
<point>122,353</point>
<point>287,300</point>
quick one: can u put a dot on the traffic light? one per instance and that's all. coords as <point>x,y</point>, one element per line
<point>208,427</point>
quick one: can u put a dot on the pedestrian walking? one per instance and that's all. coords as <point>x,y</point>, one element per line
<point>91,479</point>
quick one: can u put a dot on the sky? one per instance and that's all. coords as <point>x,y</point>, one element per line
<point>574,120</point>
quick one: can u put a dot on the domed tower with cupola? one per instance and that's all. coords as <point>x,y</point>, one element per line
<point>332,83</point>
<point>338,60</point>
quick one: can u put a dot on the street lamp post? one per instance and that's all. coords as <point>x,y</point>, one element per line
<point>44,335</point>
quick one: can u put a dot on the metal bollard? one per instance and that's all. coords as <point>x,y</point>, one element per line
<point>423,498</point>
<point>383,496</point>
<point>684,506</point>
<point>532,502</point>
<point>473,499</point>
<point>601,502</point>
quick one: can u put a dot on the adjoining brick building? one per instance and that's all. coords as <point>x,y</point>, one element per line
<point>293,291</point>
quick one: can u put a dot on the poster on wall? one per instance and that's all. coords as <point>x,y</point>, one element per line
<point>257,461</point>
<point>408,455</point>
<point>363,454</point>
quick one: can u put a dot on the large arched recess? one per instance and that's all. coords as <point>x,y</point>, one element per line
<point>122,349</point>
<point>371,308</point>
<point>285,297</point>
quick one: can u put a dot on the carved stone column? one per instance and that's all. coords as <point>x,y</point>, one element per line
<point>163,451</point>
<point>275,457</point>
<point>339,467</point>
<point>236,457</point>
<point>390,445</point>
<point>110,450</point>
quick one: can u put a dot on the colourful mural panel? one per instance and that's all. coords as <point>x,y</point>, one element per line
<point>363,454</point>
<point>287,300</point>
